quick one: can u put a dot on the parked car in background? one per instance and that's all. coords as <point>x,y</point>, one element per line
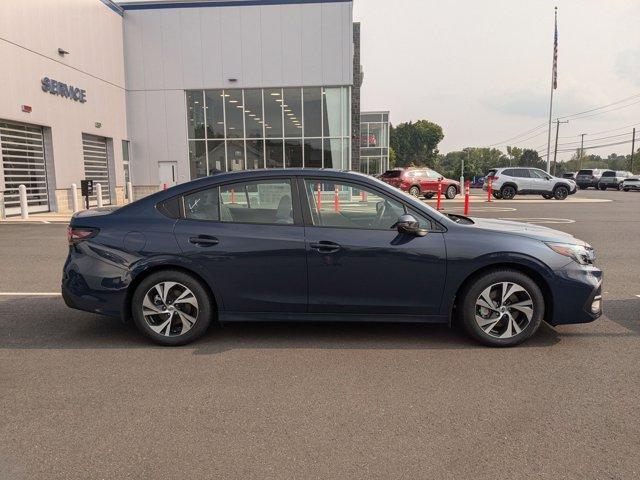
<point>613,179</point>
<point>264,245</point>
<point>569,175</point>
<point>631,184</point>
<point>511,181</point>
<point>421,182</point>
<point>588,177</point>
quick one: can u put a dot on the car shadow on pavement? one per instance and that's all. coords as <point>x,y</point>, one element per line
<point>46,323</point>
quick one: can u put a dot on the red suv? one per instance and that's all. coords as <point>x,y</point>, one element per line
<point>421,181</point>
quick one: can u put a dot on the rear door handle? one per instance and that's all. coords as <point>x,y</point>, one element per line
<point>324,246</point>
<point>204,241</point>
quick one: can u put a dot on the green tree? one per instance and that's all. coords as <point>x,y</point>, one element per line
<point>416,143</point>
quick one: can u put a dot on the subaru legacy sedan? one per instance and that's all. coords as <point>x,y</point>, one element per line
<point>321,245</point>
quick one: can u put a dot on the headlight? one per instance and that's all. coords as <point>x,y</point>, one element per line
<point>583,254</point>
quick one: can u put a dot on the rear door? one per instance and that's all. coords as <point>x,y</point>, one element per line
<point>358,263</point>
<point>248,239</point>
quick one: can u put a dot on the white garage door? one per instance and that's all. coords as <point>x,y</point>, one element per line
<point>22,152</point>
<point>96,166</point>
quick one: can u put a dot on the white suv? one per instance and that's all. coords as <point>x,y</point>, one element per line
<point>511,181</point>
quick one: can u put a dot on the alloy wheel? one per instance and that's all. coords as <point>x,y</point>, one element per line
<point>170,309</point>
<point>504,309</point>
<point>415,191</point>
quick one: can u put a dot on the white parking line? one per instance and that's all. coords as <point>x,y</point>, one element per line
<point>30,294</point>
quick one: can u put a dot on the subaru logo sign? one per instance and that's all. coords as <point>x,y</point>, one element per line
<point>61,89</point>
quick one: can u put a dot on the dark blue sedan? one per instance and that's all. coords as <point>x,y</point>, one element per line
<point>316,245</point>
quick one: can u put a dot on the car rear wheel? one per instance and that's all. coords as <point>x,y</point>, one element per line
<point>625,189</point>
<point>415,191</point>
<point>451,192</point>
<point>502,308</point>
<point>429,195</point>
<point>171,308</point>
<point>547,196</point>
<point>560,193</point>
<point>602,187</point>
<point>508,192</point>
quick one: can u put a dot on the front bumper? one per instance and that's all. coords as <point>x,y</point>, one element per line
<point>575,289</point>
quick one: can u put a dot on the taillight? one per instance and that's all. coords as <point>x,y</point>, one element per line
<point>78,234</point>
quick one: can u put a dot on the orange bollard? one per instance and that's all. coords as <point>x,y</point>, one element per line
<point>336,200</point>
<point>467,186</point>
<point>233,196</point>
<point>363,196</point>
<point>319,198</point>
<point>439,194</point>
<point>489,189</point>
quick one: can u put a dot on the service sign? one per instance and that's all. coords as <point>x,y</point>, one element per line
<point>54,87</point>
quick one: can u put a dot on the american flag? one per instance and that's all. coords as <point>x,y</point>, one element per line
<point>555,54</point>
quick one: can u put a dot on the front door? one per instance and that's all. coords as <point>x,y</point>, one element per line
<point>540,182</point>
<point>358,263</point>
<point>247,238</point>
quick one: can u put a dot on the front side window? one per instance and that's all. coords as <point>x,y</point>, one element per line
<point>347,205</point>
<point>539,174</point>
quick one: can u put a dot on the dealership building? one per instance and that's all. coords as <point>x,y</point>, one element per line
<point>162,92</point>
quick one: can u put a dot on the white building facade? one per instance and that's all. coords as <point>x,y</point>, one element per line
<point>163,92</point>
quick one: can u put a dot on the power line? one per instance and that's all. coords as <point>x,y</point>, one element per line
<point>602,131</point>
<point>603,106</point>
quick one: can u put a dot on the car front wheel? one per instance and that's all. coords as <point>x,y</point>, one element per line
<point>451,192</point>
<point>415,191</point>
<point>508,192</point>
<point>171,308</point>
<point>502,308</point>
<point>497,195</point>
<point>561,193</point>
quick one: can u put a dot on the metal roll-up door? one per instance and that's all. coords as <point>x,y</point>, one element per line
<point>96,166</point>
<point>22,152</point>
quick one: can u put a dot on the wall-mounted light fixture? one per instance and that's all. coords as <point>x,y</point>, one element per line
<point>232,79</point>
<point>62,52</point>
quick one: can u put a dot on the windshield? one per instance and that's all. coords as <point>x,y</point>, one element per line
<point>392,173</point>
<point>609,174</point>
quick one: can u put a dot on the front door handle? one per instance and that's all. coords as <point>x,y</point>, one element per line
<point>324,246</point>
<point>204,241</point>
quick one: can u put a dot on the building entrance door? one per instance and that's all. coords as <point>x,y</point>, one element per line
<point>168,174</point>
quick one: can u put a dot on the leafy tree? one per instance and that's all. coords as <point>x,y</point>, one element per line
<point>416,143</point>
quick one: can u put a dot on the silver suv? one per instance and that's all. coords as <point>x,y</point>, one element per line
<point>511,181</point>
<point>613,179</point>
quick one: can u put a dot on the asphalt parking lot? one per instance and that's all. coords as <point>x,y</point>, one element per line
<point>84,396</point>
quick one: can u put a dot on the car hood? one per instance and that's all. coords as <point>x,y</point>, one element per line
<point>527,230</point>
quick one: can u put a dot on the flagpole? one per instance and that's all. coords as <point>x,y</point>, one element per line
<point>553,84</point>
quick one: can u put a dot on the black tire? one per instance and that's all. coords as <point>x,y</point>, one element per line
<point>626,189</point>
<point>203,315</point>
<point>451,192</point>
<point>507,192</point>
<point>429,195</point>
<point>560,193</point>
<point>468,307</point>
<point>602,187</point>
<point>415,191</point>
<point>620,187</point>
<point>547,196</point>
<point>497,195</point>
<point>582,187</point>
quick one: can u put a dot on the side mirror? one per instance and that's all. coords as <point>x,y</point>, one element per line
<point>408,225</point>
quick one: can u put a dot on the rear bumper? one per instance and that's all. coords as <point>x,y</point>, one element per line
<point>574,291</point>
<point>94,285</point>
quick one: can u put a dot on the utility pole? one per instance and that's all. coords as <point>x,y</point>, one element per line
<point>581,150</point>
<point>633,148</point>
<point>555,151</point>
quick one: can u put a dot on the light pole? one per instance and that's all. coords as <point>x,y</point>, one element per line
<point>555,150</point>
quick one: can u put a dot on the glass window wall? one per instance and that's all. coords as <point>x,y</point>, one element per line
<point>268,128</point>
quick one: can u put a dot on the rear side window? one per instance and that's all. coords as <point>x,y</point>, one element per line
<point>491,173</point>
<point>585,172</point>
<point>609,174</point>
<point>262,201</point>
<point>392,174</point>
<point>202,205</point>
<point>509,172</point>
